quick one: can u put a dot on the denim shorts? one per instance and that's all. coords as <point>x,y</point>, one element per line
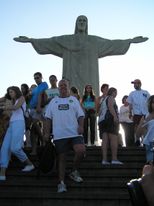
<point>65,145</point>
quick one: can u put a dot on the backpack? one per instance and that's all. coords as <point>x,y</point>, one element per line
<point>46,158</point>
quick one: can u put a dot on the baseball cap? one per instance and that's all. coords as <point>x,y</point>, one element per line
<point>136,81</point>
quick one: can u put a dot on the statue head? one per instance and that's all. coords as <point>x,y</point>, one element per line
<point>81,25</point>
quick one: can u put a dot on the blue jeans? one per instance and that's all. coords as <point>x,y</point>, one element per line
<point>13,142</point>
<point>149,152</point>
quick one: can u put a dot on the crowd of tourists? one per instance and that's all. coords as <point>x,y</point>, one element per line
<point>59,112</point>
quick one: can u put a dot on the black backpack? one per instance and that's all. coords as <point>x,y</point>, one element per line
<point>46,158</point>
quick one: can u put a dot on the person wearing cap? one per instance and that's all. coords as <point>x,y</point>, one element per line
<point>137,100</point>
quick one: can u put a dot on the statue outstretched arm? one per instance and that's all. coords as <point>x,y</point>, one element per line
<point>43,45</point>
<point>22,39</point>
<point>138,39</point>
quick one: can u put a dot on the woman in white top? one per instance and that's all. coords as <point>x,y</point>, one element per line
<point>13,140</point>
<point>126,122</point>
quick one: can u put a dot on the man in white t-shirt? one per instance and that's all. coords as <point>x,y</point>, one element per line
<point>67,118</point>
<point>137,100</point>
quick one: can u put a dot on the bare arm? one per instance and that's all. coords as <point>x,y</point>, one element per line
<point>141,130</point>
<point>130,110</point>
<point>21,100</point>
<point>47,128</point>
<point>111,101</point>
<point>81,123</point>
<point>98,105</point>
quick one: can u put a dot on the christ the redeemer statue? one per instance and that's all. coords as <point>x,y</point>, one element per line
<point>80,52</point>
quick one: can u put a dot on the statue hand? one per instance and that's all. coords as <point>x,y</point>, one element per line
<point>23,39</point>
<point>139,39</point>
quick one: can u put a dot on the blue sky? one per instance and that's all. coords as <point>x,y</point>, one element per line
<point>111,19</point>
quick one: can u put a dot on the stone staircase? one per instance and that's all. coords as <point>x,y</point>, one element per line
<point>103,185</point>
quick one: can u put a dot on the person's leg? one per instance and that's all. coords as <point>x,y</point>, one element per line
<point>62,147</point>
<point>61,172</point>
<point>34,137</point>
<point>80,151</point>
<point>113,138</point>
<point>5,152</point>
<point>123,124</point>
<point>17,141</point>
<point>18,128</point>
<point>92,127</point>
<point>131,134</point>
<point>149,153</point>
<point>61,166</point>
<point>114,145</point>
<point>104,147</point>
<point>86,129</point>
<point>136,121</point>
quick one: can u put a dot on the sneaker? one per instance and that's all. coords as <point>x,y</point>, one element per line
<point>104,162</point>
<point>116,162</point>
<point>2,178</point>
<point>76,176</point>
<point>61,188</point>
<point>28,168</point>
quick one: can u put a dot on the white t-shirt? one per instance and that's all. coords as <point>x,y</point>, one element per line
<point>124,114</point>
<point>102,110</point>
<point>64,113</point>
<point>51,93</point>
<point>138,99</point>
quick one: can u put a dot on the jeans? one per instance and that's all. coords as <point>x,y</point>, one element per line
<point>13,142</point>
<point>149,152</point>
<point>90,118</point>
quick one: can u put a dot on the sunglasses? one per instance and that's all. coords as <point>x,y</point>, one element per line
<point>36,77</point>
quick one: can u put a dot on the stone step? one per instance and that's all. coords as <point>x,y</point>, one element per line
<point>103,185</point>
<point>66,199</point>
<point>52,181</point>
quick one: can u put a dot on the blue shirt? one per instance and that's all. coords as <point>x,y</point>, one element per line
<point>89,103</point>
<point>35,94</point>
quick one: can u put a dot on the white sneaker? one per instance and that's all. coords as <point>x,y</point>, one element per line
<point>28,168</point>
<point>76,176</point>
<point>2,178</point>
<point>61,188</point>
<point>104,162</point>
<point>116,162</point>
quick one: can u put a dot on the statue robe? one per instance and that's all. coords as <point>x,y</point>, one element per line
<point>80,55</point>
